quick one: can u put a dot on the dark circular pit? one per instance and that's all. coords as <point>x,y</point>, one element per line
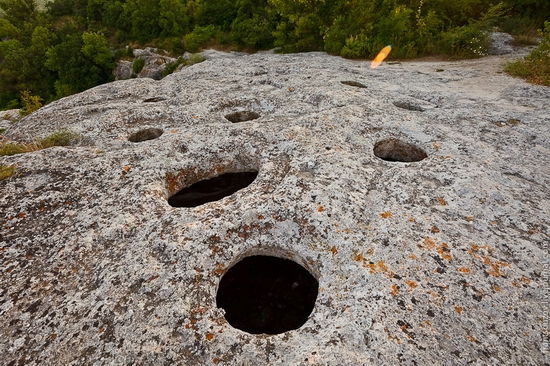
<point>265,294</point>
<point>393,149</point>
<point>242,116</point>
<point>145,134</point>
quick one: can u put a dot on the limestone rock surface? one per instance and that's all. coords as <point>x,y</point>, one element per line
<point>439,261</point>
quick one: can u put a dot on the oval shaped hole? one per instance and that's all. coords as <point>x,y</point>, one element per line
<point>145,134</point>
<point>213,189</point>
<point>408,105</point>
<point>265,294</point>
<point>353,83</point>
<point>242,116</point>
<point>393,149</point>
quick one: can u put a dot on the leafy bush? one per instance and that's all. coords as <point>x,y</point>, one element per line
<point>536,66</point>
<point>30,103</point>
<point>138,65</point>
<point>199,37</point>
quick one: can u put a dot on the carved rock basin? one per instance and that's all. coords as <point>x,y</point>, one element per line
<point>416,262</point>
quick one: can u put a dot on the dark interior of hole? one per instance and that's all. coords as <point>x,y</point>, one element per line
<point>408,105</point>
<point>353,83</point>
<point>398,151</point>
<point>146,134</point>
<point>263,294</point>
<point>243,116</point>
<point>211,190</point>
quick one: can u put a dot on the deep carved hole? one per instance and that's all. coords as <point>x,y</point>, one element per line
<point>408,105</point>
<point>146,134</point>
<point>264,294</point>
<point>393,149</point>
<point>353,83</point>
<point>213,189</point>
<point>242,116</point>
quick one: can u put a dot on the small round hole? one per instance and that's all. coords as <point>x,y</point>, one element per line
<point>393,149</point>
<point>242,116</point>
<point>266,294</point>
<point>213,189</point>
<point>145,134</point>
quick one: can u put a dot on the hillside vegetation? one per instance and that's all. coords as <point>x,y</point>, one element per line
<point>66,46</point>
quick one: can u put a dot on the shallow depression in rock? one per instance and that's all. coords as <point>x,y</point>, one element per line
<point>242,116</point>
<point>393,149</point>
<point>145,134</point>
<point>265,294</point>
<point>213,189</point>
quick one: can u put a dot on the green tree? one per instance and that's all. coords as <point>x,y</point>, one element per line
<point>173,20</point>
<point>19,12</point>
<point>81,62</point>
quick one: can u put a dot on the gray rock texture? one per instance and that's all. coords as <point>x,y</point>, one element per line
<point>501,44</point>
<point>440,261</point>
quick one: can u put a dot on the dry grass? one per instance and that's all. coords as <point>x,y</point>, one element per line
<point>62,138</point>
<point>6,171</point>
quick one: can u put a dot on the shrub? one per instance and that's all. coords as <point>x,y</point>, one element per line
<point>6,171</point>
<point>199,37</point>
<point>30,103</point>
<point>464,42</point>
<point>138,65</point>
<point>536,66</point>
<point>194,58</point>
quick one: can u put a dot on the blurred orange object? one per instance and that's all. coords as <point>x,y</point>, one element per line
<point>380,57</point>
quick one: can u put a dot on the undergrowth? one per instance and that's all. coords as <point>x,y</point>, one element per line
<point>535,68</point>
<point>194,58</point>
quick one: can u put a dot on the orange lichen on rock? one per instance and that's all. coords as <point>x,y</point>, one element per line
<point>458,309</point>
<point>495,266</point>
<point>443,251</point>
<point>394,290</point>
<point>379,267</point>
<point>464,270</point>
<point>411,284</point>
<point>334,250</point>
<point>429,243</point>
<point>442,201</point>
<point>210,336</point>
<point>386,214</point>
<point>434,229</point>
<point>472,339</point>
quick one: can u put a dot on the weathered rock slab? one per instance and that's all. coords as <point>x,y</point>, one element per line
<point>439,261</point>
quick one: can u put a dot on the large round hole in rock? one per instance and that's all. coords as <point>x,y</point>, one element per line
<point>242,116</point>
<point>145,134</point>
<point>393,149</point>
<point>213,189</point>
<point>265,294</point>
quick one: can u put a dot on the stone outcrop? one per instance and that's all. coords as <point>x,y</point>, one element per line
<point>501,43</point>
<point>439,260</point>
<point>154,65</point>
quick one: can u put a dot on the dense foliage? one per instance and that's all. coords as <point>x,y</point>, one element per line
<point>68,46</point>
